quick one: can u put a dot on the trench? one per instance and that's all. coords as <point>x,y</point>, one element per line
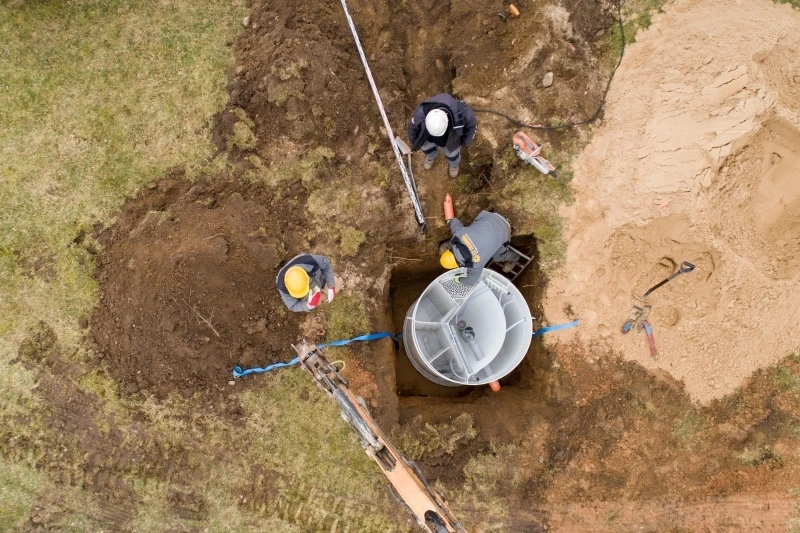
<point>419,396</point>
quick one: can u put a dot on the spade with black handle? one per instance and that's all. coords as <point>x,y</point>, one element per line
<point>685,268</point>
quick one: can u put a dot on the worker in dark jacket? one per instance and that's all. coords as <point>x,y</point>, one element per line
<point>301,280</point>
<point>442,122</point>
<point>473,246</point>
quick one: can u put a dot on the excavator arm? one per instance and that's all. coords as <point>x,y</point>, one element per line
<point>409,486</point>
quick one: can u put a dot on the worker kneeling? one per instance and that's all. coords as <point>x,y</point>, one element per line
<point>473,246</point>
<point>301,281</point>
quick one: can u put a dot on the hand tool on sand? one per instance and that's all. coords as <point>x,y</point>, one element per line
<point>639,314</point>
<point>633,318</point>
<point>684,268</point>
<point>528,150</point>
<point>648,329</point>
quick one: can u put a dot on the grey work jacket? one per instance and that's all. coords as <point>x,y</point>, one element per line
<point>319,271</point>
<point>462,122</point>
<point>475,245</point>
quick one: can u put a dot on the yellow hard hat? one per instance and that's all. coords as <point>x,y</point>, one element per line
<point>296,280</point>
<point>448,260</point>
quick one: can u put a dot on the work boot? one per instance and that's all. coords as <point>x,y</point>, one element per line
<point>453,172</point>
<point>428,164</point>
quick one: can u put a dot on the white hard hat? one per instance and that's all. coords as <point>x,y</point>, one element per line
<point>436,122</point>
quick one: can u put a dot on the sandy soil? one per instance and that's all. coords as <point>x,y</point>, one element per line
<point>697,161</point>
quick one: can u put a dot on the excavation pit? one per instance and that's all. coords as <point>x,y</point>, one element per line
<point>457,337</point>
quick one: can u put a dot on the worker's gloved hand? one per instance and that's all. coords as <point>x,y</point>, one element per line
<point>314,298</point>
<point>331,293</point>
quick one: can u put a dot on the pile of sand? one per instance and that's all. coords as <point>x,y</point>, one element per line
<point>698,160</point>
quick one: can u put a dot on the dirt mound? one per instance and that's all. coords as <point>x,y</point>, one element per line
<point>758,200</point>
<point>301,79</point>
<point>299,84</point>
<point>697,161</point>
<point>188,283</point>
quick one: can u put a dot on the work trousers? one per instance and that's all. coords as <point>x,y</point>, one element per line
<point>431,151</point>
<point>504,254</point>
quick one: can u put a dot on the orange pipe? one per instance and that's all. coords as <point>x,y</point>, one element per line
<point>449,212</point>
<point>495,386</point>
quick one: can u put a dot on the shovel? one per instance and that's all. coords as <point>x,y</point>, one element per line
<point>685,268</point>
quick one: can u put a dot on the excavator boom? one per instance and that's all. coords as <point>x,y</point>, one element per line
<point>409,486</point>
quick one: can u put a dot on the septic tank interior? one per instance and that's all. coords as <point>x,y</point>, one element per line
<point>429,308</point>
<point>459,334</point>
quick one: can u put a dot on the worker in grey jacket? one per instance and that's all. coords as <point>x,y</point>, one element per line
<point>301,280</point>
<point>442,122</point>
<point>473,246</point>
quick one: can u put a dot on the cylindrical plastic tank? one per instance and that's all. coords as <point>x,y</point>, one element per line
<point>456,334</point>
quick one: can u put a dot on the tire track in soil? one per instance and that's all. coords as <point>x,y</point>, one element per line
<point>79,445</point>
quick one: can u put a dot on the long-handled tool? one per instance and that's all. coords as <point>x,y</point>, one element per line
<point>684,268</point>
<point>410,185</point>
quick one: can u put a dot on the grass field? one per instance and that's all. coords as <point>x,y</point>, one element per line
<point>98,99</point>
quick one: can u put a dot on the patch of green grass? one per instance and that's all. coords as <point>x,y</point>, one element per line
<point>98,98</point>
<point>331,202</point>
<point>787,380</point>
<point>419,438</point>
<point>317,453</point>
<point>153,509</point>
<point>346,317</point>
<point>305,170</point>
<point>537,199</point>
<point>289,70</point>
<point>636,14</point>
<point>242,137</point>
<point>350,239</point>
<point>18,492</point>
<point>646,409</point>
<point>383,178</point>
<point>488,477</point>
<point>758,455</point>
<point>281,94</point>
<point>686,430</point>
<point>794,3</point>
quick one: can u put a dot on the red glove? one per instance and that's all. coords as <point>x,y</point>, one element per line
<point>313,299</point>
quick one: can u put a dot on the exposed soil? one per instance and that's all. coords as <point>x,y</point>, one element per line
<point>187,275</point>
<point>584,441</point>
<point>697,161</point>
